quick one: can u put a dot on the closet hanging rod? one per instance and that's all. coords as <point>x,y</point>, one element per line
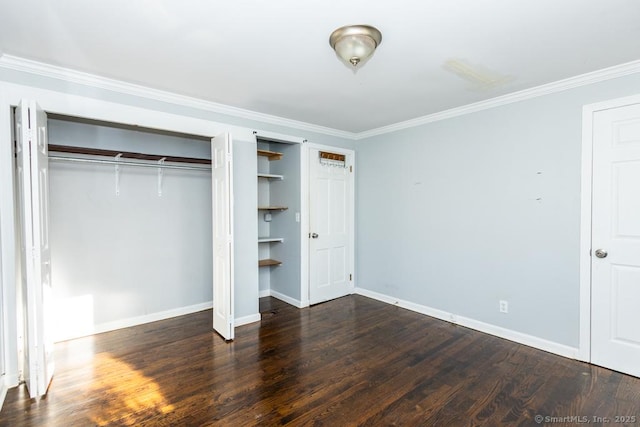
<point>125,154</point>
<point>124,163</point>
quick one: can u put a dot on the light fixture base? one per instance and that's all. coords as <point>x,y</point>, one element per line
<point>355,44</point>
<point>355,30</point>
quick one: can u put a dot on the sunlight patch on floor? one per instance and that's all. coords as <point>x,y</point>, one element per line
<point>128,396</point>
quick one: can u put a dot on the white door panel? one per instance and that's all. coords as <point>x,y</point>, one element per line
<point>33,192</point>
<point>40,172</point>
<point>23,172</point>
<point>615,298</point>
<point>330,219</point>
<point>222,197</point>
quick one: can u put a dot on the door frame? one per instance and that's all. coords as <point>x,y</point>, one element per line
<point>306,258</point>
<point>586,198</point>
<point>8,242</point>
<point>304,209</point>
<point>81,107</point>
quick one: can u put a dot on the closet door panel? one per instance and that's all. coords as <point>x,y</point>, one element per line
<point>33,192</point>
<point>222,196</point>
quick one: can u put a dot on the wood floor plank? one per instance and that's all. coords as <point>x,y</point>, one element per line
<point>351,361</point>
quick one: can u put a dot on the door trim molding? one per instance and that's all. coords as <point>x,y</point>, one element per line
<point>586,194</point>
<point>8,243</point>
<point>305,171</point>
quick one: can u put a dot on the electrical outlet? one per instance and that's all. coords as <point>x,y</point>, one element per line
<point>504,306</point>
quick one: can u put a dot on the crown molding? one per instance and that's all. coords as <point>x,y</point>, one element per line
<point>11,62</point>
<point>78,77</point>
<point>545,89</point>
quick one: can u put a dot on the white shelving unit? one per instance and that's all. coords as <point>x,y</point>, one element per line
<point>280,237</point>
<point>265,204</point>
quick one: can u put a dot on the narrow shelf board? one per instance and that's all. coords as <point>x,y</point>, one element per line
<point>272,208</point>
<point>271,155</point>
<point>270,239</point>
<point>270,176</point>
<point>124,154</point>
<point>268,262</point>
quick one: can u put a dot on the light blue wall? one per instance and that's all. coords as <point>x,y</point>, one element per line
<point>458,214</point>
<point>447,214</point>
<point>285,278</point>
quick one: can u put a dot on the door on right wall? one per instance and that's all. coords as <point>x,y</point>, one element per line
<point>615,258</point>
<point>330,225</point>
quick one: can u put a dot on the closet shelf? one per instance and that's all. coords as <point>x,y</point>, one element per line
<point>270,239</point>
<point>271,155</point>
<point>125,154</point>
<point>272,208</point>
<point>270,176</point>
<point>268,262</point>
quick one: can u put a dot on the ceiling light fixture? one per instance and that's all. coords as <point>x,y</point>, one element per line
<point>355,44</point>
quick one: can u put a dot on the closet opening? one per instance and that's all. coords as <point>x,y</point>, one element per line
<point>279,218</point>
<point>129,222</point>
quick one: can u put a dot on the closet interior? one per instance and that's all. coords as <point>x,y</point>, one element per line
<point>279,206</point>
<point>130,223</point>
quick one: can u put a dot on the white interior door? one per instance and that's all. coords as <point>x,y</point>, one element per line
<point>33,192</point>
<point>330,226</point>
<point>222,197</point>
<point>615,263</point>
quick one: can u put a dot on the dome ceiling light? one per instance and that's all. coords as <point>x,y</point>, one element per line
<point>355,44</point>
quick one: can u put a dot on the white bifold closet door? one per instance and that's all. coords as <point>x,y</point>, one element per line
<point>222,198</point>
<point>33,194</point>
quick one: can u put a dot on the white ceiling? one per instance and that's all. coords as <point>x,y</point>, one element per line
<point>273,57</point>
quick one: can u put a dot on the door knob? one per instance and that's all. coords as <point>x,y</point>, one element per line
<point>601,253</point>
<point>314,235</point>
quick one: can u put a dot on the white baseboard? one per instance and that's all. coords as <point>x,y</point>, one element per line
<point>7,382</point>
<point>3,390</point>
<point>12,380</point>
<point>264,293</point>
<point>139,320</point>
<point>498,331</point>
<point>154,317</point>
<point>245,320</point>
<point>287,299</point>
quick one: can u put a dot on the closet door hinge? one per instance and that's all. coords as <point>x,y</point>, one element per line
<point>350,168</point>
<point>350,277</point>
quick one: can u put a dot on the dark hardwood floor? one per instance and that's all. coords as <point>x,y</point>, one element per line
<point>352,361</point>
